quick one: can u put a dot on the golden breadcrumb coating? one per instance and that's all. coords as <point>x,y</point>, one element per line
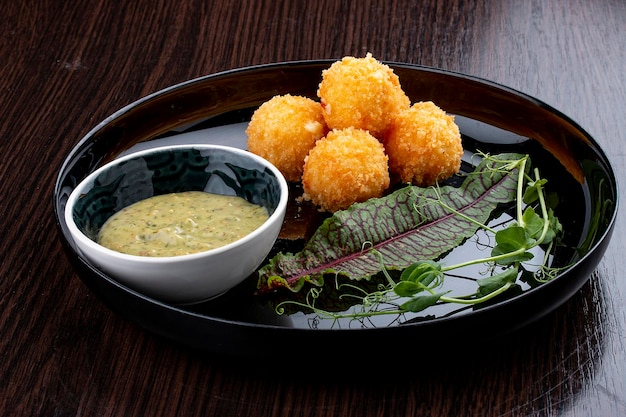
<point>424,145</point>
<point>347,166</point>
<point>361,93</point>
<point>283,130</point>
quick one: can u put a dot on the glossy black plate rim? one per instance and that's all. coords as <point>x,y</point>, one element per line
<point>239,337</point>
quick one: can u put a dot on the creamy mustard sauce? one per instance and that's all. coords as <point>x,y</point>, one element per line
<point>180,224</point>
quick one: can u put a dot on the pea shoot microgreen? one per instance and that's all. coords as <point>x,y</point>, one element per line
<point>420,285</point>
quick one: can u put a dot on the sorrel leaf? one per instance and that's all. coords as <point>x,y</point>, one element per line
<point>395,231</point>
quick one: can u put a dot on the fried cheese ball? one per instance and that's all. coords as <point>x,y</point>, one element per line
<point>424,145</point>
<point>283,130</point>
<point>361,93</point>
<point>347,166</point>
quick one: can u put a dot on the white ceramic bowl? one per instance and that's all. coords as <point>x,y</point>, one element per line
<point>217,169</point>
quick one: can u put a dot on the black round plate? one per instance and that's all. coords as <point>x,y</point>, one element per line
<point>492,118</point>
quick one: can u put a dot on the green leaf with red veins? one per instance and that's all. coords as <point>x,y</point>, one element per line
<point>393,231</point>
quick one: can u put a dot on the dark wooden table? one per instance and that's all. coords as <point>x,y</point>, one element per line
<point>65,66</point>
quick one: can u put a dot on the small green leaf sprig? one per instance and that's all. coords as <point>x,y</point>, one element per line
<point>419,285</point>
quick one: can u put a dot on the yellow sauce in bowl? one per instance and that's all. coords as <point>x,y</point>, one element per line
<point>180,224</point>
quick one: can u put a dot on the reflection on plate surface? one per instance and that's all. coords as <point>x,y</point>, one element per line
<point>492,118</point>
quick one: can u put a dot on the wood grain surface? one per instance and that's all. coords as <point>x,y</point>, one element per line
<point>65,66</point>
